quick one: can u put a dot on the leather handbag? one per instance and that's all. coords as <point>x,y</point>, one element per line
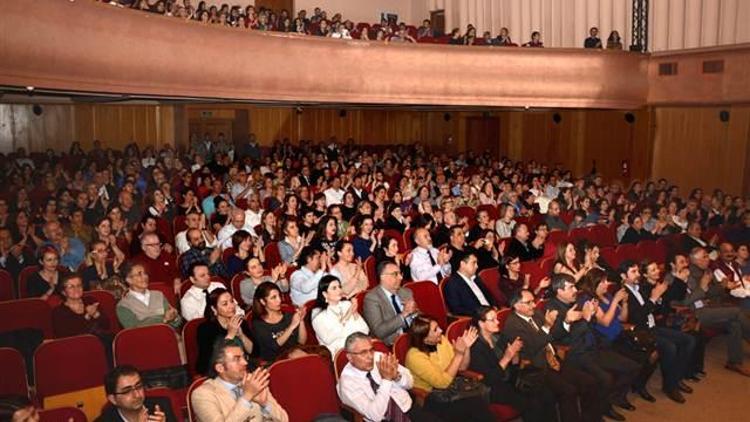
<point>461,388</point>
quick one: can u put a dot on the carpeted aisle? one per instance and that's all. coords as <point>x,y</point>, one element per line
<point>723,396</point>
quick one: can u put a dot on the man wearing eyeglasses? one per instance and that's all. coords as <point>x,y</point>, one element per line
<point>378,394</point>
<point>128,401</point>
<point>158,263</point>
<point>389,309</point>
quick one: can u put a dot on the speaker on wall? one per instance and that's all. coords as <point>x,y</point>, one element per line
<point>630,118</point>
<point>724,116</point>
<point>37,110</point>
<point>342,113</point>
<point>557,118</point>
<point>447,117</point>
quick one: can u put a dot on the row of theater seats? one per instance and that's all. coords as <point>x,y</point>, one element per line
<point>53,379</point>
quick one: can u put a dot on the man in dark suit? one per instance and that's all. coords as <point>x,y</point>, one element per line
<point>389,308</point>
<point>127,399</point>
<point>567,383</point>
<point>465,291</point>
<point>614,372</point>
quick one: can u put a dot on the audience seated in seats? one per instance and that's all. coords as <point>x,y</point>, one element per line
<point>614,373</point>
<point>14,256</point>
<point>127,399</point>
<point>326,236</point>
<point>692,239</point>
<point>194,219</point>
<point>389,309</point>
<point>486,250</point>
<point>44,282</point>
<point>505,224</point>
<point>157,263</point>
<point>277,334</point>
<point>234,393</point>
<point>244,248</point>
<point>612,312</point>
<point>303,283</point>
<point>255,276</point>
<point>710,301</point>
<point>72,251</point>
<point>536,40</point>
<point>512,280</point>
<point>457,244</point>
<point>377,394</point>
<point>570,385</point>
<point>614,42</point>
<point>139,306</point>
<point>224,321</point>
<point>99,268</point>
<point>367,238</point>
<point>334,317</point>
<point>675,347</point>
<point>727,270</point>
<point>435,364</point>
<point>636,232</point>
<point>521,246</point>
<point>388,251</point>
<point>465,291</point>
<point>500,374</point>
<point>291,245</point>
<point>237,222</point>
<point>566,262</point>
<point>593,40</point>
<point>427,262</point>
<point>193,301</point>
<point>350,273</point>
<point>199,252</point>
<point>79,314</point>
<point>553,220</point>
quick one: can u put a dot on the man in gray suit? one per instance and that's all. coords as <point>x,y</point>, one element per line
<point>389,309</point>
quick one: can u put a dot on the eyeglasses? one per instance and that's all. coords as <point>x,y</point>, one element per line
<point>130,389</point>
<point>363,352</point>
<point>394,273</point>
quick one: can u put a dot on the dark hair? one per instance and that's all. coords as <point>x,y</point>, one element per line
<point>626,265</point>
<point>195,265</point>
<point>110,380</point>
<point>238,237</point>
<point>325,282</point>
<point>480,315</point>
<point>418,331</point>
<point>321,231</point>
<point>305,255</point>
<point>382,265</point>
<point>559,280</point>
<point>217,354</point>
<point>9,405</point>
<point>261,293</point>
<point>67,277</point>
<point>127,268</point>
<point>517,296</point>
<point>340,247</point>
<point>592,279</point>
<point>44,250</point>
<point>211,301</point>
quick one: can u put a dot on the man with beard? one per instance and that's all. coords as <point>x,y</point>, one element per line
<point>200,253</point>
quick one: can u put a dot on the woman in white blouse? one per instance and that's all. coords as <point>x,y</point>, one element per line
<point>334,319</point>
<point>351,273</point>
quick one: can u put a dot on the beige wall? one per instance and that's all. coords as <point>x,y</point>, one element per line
<point>674,24</point>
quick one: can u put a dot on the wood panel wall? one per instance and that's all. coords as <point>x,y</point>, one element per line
<point>60,125</point>
<point>693,147</point>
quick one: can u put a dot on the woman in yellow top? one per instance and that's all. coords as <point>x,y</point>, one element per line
<point>434,363</point>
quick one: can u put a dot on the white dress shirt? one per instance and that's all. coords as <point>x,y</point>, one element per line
<point>329,329</point>
<point>422,268</point>
<point>193,302</point>
<point>252,219</point>
<point>303,285</point>
<point>224,237</point>
<point>355,391</point>
<point>334,196</point>
<point>475,289</point>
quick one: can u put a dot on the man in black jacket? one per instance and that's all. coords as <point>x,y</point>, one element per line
<point>465,291</point>
<point>127,399</point>
<point>568,383</point>
<point>614,372</point>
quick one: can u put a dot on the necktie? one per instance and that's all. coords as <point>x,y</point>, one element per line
<point>237,391</point>
<point>394,413</point>
<point>205,301</point>
<point>549,350</point>
<point>433,263</point>
<point>395,305</point>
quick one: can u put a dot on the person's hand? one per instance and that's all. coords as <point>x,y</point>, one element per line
<point>621,295</point>
<point>705,280</point>
<point>550,316</point>
<point>589,309</point>
<point>277,271</point>
<point>545,282</point>
<point>573,315</point>
<point>233,327</point>
<point>16,250</point>
<point>410,307</point>
<point>298,316</point>
<point>444,256</point>
<point>214,256</point>
<point>170,315</point>
<point>683,274</point>
<point>254,383</point>
<point>511,351</point>
<point>407,259</point>
<point>463,343</point>
<point>157,416</point>
<point>658,290</point>
<point>385,367</point>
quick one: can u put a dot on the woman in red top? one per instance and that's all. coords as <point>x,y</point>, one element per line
<point>78,314</point>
